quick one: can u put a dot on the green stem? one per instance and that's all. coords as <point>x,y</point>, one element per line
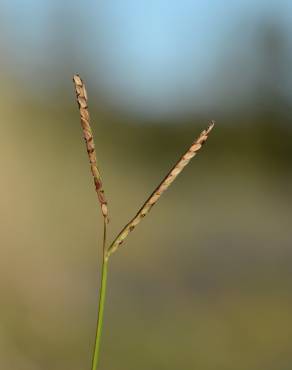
<point>96,353</point>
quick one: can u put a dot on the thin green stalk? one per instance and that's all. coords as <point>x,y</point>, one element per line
<point>102,293</point>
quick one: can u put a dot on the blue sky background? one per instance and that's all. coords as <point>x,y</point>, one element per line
<point>147,56</point>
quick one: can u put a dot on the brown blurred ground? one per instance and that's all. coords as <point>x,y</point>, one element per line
<point>204,282</point>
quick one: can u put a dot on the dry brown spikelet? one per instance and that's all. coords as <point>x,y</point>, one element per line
<point>161,188</point>
<point>82,101</point>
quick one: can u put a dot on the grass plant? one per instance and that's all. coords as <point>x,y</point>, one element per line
<point>108,250</point>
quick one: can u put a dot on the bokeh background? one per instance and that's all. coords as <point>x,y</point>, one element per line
<point>205,281</point>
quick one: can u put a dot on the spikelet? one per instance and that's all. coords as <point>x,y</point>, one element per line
<point>82,101</point>
<point>165,183</point>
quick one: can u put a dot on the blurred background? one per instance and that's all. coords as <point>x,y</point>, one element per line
<point>205,281</point>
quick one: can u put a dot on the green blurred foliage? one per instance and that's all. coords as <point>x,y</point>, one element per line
<point>203,282</point>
